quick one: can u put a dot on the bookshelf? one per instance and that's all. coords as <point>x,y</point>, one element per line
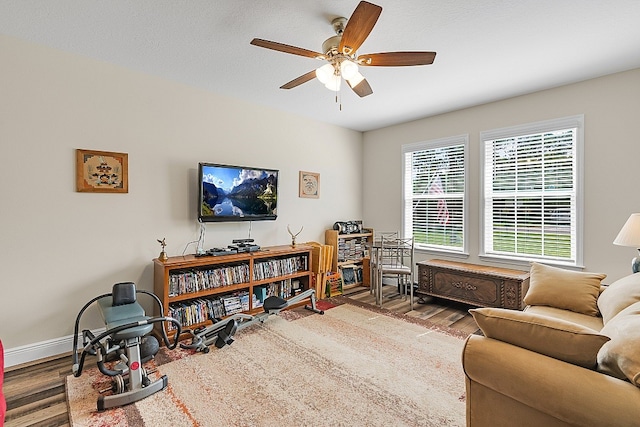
<point>350,256</point>
<point>193,289</point>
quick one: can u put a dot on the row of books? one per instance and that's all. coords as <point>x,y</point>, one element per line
<point>284,288</point>
<point>351,249</point>
<point>202,309</point>
<point>200,280</point>
<point>185,282</point>
<point>279,267</point>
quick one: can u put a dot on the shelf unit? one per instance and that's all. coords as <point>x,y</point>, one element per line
<point>351,250</point>
<point>193,289</point>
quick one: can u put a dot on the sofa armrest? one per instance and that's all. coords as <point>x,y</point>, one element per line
<point>567,392</point>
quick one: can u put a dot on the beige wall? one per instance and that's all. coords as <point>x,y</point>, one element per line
<point>611,108</point>
<point>60,248</point>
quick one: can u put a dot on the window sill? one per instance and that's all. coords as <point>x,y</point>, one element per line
<point>452,254</point>
<point>527,263</point>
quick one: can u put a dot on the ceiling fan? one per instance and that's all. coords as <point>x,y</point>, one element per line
<point>340,53</point>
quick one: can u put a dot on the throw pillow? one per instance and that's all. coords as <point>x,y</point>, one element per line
<point>570,290</point>
<point>618,296</point>
<point>560,339</point>
<point>620,357</point>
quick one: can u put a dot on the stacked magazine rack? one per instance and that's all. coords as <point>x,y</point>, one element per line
<point>350,256</point>
<point>196,289</point>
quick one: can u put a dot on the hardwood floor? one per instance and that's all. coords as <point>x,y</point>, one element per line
<point>441,312</point>
<point>35,393</point>
<point>36,396</point>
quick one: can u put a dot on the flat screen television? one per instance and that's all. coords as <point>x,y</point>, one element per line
<point>236,193</point>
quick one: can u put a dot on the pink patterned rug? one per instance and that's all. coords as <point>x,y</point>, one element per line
<point>352,366</point>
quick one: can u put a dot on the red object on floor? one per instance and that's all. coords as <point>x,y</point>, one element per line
<point>3,403</point>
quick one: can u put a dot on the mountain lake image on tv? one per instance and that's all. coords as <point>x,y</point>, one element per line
<point>236,193</point>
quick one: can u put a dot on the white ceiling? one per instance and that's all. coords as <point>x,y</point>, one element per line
<point>486,50</point>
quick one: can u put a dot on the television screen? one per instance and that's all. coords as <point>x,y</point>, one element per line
<point>236,193</point>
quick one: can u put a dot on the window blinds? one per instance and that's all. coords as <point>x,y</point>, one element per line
<point>434,194</point>
<point>531,193</point>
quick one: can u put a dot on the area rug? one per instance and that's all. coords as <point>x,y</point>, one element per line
<point>350,367</point>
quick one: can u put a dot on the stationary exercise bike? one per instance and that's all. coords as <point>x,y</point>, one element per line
<point>127,338</point>
<point>221,332</point>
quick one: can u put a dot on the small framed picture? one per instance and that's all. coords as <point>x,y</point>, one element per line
<point>348,275</point>
<point>309,185</point>
<point>102,172</point>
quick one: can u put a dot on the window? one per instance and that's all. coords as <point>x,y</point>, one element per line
<point>533,191</point>
<point>434,193</point>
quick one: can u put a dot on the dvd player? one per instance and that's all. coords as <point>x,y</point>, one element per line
<point>242,241</point>
<point>244,247</point>
<point>218,252</point>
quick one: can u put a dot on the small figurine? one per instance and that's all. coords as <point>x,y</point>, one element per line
<point>293,236</point>
<point>163,255</point>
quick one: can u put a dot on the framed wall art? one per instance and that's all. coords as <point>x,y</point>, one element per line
<point>309,185</point>
<point>102,172</point>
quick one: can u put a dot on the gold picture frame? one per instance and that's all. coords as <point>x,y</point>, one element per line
<point>102,172</point>
<point>309,185</point>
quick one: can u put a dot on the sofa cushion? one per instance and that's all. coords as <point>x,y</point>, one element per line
<point>620,357</point>
<point>618,296</point>
<point>555,338</point>
<point>571,290</point>
<point>591,322</point>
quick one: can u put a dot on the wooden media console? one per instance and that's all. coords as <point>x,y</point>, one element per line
<point>197,289</point>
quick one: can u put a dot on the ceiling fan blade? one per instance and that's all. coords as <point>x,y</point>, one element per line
<point>281,47</point>
<point>396,59</point>
<point>362,89</point>
<point>359,26</point>
<point>298,81</point>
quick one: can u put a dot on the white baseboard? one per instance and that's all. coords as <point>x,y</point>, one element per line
<point>40,350</point>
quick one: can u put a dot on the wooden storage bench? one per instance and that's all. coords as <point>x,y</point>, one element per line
<point>472,284</point>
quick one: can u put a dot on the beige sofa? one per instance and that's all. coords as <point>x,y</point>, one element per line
<point>572,358</point>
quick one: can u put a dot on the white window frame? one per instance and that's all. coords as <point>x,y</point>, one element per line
<point>571,122</point>
<point>407,186</point>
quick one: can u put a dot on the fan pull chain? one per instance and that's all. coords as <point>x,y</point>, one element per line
<point>339,100</point>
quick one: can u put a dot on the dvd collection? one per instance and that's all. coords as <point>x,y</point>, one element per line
<point>202,309</point>
<point>199,310</point>
<point>190,281</point>
<point>351,249</point>
<point>279,267</point>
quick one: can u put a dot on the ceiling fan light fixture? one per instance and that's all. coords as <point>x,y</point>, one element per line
<point>340,51</point>
<point>348,69</point>
<point>325,73</point>
<point>334,83</point>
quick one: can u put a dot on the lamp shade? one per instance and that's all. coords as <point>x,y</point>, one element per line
<point>630,233</point>
<point>333,83</point>
<point>325,73</point>
<point>348,69</point>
